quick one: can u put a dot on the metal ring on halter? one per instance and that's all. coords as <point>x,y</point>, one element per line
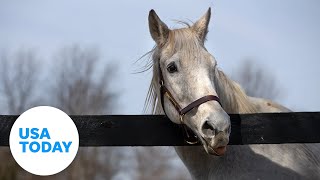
<point>161,83</point>
<point>192,142</point>
<point>188,136</point>
<point>181,118</point>
<point>186,131</point>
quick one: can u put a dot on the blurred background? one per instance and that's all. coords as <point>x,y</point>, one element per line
<point>80,56</point>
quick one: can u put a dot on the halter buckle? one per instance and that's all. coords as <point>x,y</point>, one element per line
<point>187,138</point>
<point>192,142</point>
<point>161,83</point>
<point>181,118</point>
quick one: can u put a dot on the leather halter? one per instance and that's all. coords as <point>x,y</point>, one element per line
<point>182,111</point>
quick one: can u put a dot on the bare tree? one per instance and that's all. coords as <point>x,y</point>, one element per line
<point>257,81</point>
<point>18,85</point>
<point>77,82</point>
<point>81,86</point>
<point>18,80</point>
<point>82,82</point>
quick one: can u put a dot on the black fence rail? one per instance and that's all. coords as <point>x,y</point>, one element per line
<point>158,130</point>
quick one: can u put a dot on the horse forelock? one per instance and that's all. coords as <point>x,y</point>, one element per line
<point>184,40</point>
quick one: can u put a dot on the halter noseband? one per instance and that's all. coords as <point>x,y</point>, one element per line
<point>182,111</point>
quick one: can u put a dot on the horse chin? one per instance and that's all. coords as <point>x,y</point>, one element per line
<point>219,151</point>
<point>216,151</point>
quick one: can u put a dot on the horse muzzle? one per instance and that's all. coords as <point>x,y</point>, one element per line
<point>216,145</point>
<point>219,151</point>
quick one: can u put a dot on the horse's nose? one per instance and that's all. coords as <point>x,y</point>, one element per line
<point>209,130</point>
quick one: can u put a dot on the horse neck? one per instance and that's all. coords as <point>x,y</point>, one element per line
<point>232,96</point>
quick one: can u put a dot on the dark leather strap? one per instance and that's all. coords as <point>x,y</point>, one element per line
<point>166,92</point>
<point>198,102</point>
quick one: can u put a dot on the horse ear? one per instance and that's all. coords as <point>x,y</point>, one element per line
<point>158,30</point>
<point>201,26</point>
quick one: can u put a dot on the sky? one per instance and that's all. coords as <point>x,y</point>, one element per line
<point>283,36</point>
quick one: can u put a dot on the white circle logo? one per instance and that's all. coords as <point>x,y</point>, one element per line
<point>44,140</point>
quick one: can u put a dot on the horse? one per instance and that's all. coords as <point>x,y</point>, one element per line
<point>186,75</point>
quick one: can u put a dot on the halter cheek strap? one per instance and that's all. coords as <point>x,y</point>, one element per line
<point>182,111</point>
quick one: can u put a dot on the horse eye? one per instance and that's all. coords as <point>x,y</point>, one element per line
<point>172,67</point>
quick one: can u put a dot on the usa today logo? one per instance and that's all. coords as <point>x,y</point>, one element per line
<point>44,140</point>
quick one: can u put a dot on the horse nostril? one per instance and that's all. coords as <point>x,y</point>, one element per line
<point>208,129</point>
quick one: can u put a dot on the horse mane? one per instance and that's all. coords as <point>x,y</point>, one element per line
<point>232,96</point>
<point>152,103</point>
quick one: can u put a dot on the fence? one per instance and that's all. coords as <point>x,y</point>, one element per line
<point>158,130</point>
